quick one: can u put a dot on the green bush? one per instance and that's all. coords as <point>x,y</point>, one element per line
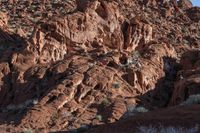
<point>162,129</point>
<point>193,99</point>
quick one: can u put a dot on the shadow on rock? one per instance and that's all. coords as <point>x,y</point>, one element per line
<point>160,96</point>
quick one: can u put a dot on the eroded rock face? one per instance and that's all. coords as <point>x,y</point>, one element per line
<point>83,80</point>
<point>188,78</point>
<point>3,19</point>
<point>3,28</point>
<point>194,13</point>
<point>90,65</point>
<point>97,24</point>
<point>150,3</point>
<point>185,4</point>
<point>137,33</point>
<point>4,79</point>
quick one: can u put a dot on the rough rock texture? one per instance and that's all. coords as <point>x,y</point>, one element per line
<point>185,4</point>
<point>55,38</point>
<point>194,13</point>
<point>73,65</point>
<point>187,84</point>
<point>188,81</point>
<point>3,19</point>
<point>4,36</point>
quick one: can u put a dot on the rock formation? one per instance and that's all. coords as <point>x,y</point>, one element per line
<point>188,78</point>
<point>74,65</point>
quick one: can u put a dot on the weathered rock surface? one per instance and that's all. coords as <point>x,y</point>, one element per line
<point>3,19</point>
<point>67,69</point>
<point>188,78</point>
<point>194,13</point>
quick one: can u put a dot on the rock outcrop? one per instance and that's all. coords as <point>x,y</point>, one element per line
<point>188,80</point>
<point>66,65</point>
<point>4,36</point>
<point>3,19</point>
<point>194,13</point>
<point>185,4</point>
<point>77,82</point>
<point>171,118</point>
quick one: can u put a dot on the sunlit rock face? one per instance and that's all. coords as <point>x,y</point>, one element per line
<point>194,13</point>
<point>137,33</point>
<point>185,4</point>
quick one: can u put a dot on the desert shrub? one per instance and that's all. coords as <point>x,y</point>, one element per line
<point>21,106</point>
<point>135,54</point>
<point>99,117</point>
<point>133,110</point>
<point>106,102</point>
<point>133,59</point>
<point>193,99</point>
<point>27,131</point>
<point>141,110</point>
<point>162,129</point>
<point>116,85</point>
